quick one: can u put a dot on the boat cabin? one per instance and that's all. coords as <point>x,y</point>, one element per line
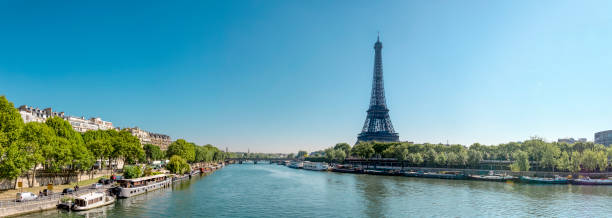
<point>142,181</point>
<point>88,199</point>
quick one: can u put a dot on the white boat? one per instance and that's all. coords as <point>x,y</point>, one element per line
<point>92,200</point>
<point>296,164</point>
<point>131,187</point>
<point>317,166</point>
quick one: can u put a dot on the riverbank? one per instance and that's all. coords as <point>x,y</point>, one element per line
<point>10,194</point>
<point>13,208</point>
<point>268,190</point>
<point>532,177</point>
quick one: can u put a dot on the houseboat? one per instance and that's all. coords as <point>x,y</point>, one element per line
<point>493,177</point>
<point>442,175</point>
<point>92,200</point>
<point>316,166</point>
<point>346,169</point>
<point>130,187</point>
<point>540,180</point>
<point>296,165</point>
<point>382,172</point>
<point>589,181</point>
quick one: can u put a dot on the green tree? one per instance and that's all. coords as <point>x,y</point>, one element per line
<point>31,142</point>
<point>290,155</point>
<point>563,162</point>
<point>339,155</point>
<point>127,147</point>
<point>152,152</point>
<point>452,159</point>
<point>474,157</point>
<point>462,157</point>
<point>99,143</point>
<point>549,156</point>
<point>183,149</point>
<point>130,172</point>
<point>575,162</point>
<point>12,157</point>
<point>415,159</point>
<point>380,147</point>
<point>14,161</point>
<point>363,150</point>
<point>602,160</point>
<point>430,157</point>
<point>343,146</point>
<point>10,122</point>
<point>330,155</point>
<point>302,154</point>
<point>72,148</point>
<point>178,165</point>
<point>521,161</point>
<point>589,160</point>
<point>440,159</point>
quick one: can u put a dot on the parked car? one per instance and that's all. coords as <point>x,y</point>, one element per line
<point>105,181</point>
<point>115,178</point>
<point>96,185</point>
<point>26,196</point>
<point>46,192</point>
<point>67,191</point>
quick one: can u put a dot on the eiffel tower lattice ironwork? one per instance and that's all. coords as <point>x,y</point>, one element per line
<point>377,126</point>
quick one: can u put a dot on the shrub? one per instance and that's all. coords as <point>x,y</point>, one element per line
<point>130,172</point>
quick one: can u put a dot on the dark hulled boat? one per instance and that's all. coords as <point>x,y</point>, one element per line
<point>346,169</point>
<point>445,175</point>
<point>540,180</point>
<point>383,172</point>
<point>589,181</point>
<point>437,175</point>
<point>493,177</point>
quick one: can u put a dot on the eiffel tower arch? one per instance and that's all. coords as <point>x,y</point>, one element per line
<point>378,126</point>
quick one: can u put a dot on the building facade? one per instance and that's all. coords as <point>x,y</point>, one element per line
<point>161,140</point>
<point>31,114</point>
<point>142,135</point>
<point>80,124</point>
<point>604,138</point>
<point>571,140</point>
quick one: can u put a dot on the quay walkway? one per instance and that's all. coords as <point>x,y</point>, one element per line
<point>13,208</point>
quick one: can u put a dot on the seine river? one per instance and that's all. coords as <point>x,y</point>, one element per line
<point>265,190</point>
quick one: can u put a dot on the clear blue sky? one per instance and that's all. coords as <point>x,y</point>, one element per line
<point>278,76</point>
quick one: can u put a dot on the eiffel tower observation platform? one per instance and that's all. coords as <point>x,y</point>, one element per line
<point>378,126</point>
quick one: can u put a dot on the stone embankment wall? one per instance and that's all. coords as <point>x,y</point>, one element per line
<point>17,208</point>
<point>482,171</point>
<point>45,178</point>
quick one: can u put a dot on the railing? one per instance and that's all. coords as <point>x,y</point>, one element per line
<point>47,199</point>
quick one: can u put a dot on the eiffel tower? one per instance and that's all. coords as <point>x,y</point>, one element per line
<point>377,126</point>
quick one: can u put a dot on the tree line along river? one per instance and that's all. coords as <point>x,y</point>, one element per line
<point>265,190</point>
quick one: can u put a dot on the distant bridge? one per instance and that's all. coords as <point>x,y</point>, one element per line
<point>255,160</point>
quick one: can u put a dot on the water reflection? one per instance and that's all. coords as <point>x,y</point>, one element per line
<point>275,191</point>
<point>374,192</point>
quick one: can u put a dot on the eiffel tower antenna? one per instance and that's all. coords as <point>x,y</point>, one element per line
<point>378,126</point>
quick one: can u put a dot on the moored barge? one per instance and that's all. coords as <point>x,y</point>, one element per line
<point>130,187</point>
<point>541,180</point>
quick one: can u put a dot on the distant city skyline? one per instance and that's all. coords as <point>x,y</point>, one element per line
<point>281,76</point>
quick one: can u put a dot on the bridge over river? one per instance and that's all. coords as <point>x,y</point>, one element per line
<point>256,160</point>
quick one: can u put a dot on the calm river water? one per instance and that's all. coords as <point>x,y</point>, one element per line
<point>264,190</point>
